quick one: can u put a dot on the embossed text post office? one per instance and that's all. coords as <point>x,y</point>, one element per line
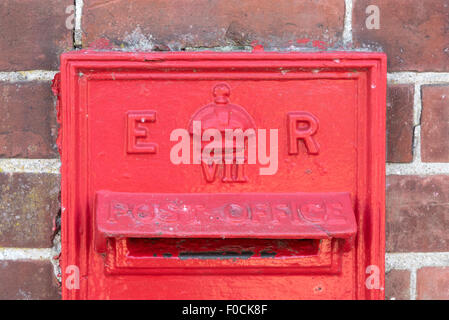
<point>222,175</point>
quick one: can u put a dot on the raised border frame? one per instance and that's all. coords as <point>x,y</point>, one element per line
<point>77,68</point>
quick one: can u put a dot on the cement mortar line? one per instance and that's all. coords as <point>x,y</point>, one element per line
<point>26,254</point>
<point>417,105</point>
<point>421,78</point>
<point>417,168</point>
<point>78,41</point>
<point>412,287</point>
<point>31,75</point>
<point>347,27</point>
<point>417,78</point>
<point>53,166</point>
<point>416,146</point>
<point>417,109</point>
<point>393,260</point>
<point>30,165</point>
<point>415,260</point>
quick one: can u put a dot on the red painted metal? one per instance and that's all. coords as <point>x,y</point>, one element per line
<point>135,224</point>
<point>222,215</point>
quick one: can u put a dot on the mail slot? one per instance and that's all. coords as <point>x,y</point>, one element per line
<point>222,175</point>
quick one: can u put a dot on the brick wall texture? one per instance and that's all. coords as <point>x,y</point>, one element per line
<point>413,33</point>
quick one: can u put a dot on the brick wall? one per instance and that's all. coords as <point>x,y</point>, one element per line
<point>413,33</point>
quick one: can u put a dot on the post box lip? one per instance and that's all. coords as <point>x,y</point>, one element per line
<point>298,225</point>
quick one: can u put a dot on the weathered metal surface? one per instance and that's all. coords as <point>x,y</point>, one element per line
<point>118,112</point>
<point>218,215</point>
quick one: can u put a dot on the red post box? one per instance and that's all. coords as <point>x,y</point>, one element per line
<point>222,175</point>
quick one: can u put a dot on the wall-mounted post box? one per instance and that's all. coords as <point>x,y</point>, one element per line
<point>222,175</point>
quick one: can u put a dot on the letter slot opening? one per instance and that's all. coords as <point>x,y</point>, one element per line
<point>200,248</point>
<point>223,256</point>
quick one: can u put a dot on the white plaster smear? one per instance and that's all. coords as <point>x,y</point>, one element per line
<point>31,75</point>
<point>347,29</point>
<point>30,165</point>
<point>25,254</point>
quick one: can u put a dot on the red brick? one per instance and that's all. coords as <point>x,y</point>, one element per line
<point>397,285</point>
<point>435,124</point>
<point>400,123</point>
<point>29,202</point>
<point>33,34</point>
<point>414,34</point>
<point>179,24</point>
<point>28,280</point>
<point>417,213</point>
<point>433,283</point>
<point>28,127</point>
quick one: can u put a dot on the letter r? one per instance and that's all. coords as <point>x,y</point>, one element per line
<point>309,126</point>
